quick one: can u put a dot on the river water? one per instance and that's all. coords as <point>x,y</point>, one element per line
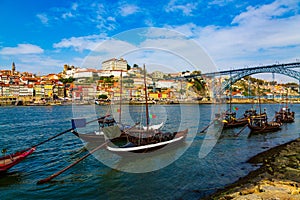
<point>204,163</point>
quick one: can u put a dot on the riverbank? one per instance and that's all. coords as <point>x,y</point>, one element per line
<point>277,177</point>
<point>29,102</point>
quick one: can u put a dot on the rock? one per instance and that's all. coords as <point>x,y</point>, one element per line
<point>295,192</point>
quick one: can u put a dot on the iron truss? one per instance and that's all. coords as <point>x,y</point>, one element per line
<point>280,69</point>
<point>237,74</point>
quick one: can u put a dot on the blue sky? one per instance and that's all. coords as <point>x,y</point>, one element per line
<point>42,36</point>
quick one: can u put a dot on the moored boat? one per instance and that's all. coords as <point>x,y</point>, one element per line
<point>143,140</point>
<point>285,115</point>
<point>230,120</point>
<point>260,124</point>
<point>8,161</point>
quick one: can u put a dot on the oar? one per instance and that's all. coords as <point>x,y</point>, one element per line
<point>208,126</point>
<point>68,167</point>
<point>79,160</point>
<point>76,123</point>
<point>240,131</point>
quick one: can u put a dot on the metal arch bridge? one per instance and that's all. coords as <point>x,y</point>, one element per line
<point>240,73</point>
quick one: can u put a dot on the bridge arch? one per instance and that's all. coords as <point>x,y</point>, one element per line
<point>279,70</point>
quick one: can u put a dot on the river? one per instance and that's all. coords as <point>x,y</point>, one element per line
<point>204,163</point>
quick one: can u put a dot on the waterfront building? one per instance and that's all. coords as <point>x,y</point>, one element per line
<point>4,78</point>
<point>39,90</point>
<point>48,89</point>
<point>25,90</point>
<point>14,89</point>
<point>60,90</point>
<point>4,89</point>
<point>114,64</point>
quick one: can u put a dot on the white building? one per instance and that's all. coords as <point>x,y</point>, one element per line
<point>84,73</point>
<point>108,73</point>
<point>114,64</point>
<point>166,84</point>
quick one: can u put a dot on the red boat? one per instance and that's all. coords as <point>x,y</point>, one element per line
<point>8,161</point>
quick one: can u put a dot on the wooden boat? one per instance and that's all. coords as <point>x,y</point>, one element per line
<point>260,124</point>
<point>143,140</point>
<point>285,115</point>
<point>8,161</point>
<point>230,120</point>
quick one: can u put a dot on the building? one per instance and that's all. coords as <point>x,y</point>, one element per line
<point>157,75</point>
<point>115,64</point>
<point>166,84</point>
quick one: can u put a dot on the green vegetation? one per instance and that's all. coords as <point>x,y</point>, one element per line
<point>102,96</point>
<point>67,80</point>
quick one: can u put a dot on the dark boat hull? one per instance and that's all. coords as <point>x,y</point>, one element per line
<point>264,129</point>
<point>126,150</point>
<point>236,123</point>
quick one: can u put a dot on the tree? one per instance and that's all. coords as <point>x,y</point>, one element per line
<point>67,80</point>
<point>128,67</point>
<point>102,96</point>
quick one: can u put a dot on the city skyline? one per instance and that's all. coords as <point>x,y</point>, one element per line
<point>43,36</point>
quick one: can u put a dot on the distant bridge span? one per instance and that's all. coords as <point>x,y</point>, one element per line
<point>237,74</point>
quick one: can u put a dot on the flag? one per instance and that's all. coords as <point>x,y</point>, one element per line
<point>235,108</point>
<point>152,116</point>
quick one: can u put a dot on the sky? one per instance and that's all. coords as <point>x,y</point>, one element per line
<point>42,36</point>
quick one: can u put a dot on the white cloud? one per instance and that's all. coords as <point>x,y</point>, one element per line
<point>81,43</point>
<point>67,15</point>
<point>127,9</point>
<point>111,19</point>
<point>74,6</point>
<point>21,49</point>
<point>186,8</point>
<point>265,12</point>
<point>263,34</point>
<point>220,3</point>
<point>43,18</point>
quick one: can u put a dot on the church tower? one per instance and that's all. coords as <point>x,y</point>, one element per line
<point>13,68</point>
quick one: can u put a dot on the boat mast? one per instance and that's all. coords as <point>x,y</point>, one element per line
<point>259,98</point>
<point>286,99</point>
<point>260,117</point>
<point>120,107</point>
<point>146,97</point>
<point>230,97</point>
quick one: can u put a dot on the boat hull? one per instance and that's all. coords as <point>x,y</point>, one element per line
<point>11,160</point>
<point>235,123</point>
<point>179,137</point>
<point>264,129</point>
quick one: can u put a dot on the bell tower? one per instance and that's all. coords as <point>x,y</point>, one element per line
<point>13,68</point>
